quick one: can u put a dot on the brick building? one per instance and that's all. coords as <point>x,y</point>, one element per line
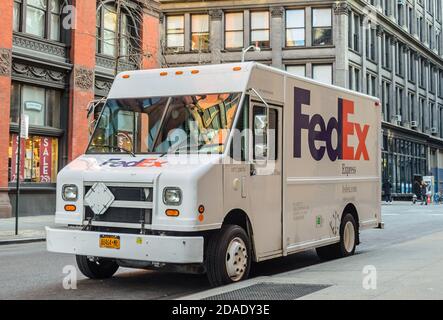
<point>53,61</point>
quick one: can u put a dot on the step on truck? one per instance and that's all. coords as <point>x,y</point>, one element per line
<point>208,169</point>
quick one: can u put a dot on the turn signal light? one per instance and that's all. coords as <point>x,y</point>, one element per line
<point>70,208</point>
<point>172,213</point>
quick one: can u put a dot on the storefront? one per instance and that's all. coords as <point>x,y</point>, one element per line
<point>40,155</point>
<point>403,158</point>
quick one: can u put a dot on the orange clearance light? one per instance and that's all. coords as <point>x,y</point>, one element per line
<point>126,76</point>
<point>201,209</point>
<point>70,208</point>
<point>179,73</point>
<point>172,213</point>
<point>195,71</point>
<point>236,68</point>
<point>201,217</point>
<point>163,74</point>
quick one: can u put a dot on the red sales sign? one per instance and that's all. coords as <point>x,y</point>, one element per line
<point>15,139</point>
<point>45,159</point>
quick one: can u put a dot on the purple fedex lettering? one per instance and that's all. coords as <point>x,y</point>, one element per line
<point>318,131</point>
<point>144,163</point>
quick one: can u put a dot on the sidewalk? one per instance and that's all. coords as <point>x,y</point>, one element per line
<point>411,270</point>
<point>31,229</point>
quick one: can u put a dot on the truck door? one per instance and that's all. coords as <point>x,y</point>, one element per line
<point>265,185</point>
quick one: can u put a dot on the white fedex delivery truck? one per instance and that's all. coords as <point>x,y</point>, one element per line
<point>208,169</point>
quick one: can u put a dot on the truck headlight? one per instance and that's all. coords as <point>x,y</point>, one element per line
<point>172,196</point>
<point>70,192</point>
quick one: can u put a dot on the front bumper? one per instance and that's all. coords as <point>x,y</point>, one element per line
<point>164,249</point>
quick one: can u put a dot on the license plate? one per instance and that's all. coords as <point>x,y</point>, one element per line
<point>109,242</point>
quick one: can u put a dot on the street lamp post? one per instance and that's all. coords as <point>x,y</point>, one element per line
<point>245,50</point>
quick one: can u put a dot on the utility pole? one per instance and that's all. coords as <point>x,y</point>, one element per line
<point>117,38</point>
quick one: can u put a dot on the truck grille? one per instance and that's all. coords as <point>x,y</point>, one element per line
<point>140,196</point>
<point>121,215</point>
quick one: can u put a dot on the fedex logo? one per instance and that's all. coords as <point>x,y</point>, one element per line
<point>320,131</point>
<point>144,163</point>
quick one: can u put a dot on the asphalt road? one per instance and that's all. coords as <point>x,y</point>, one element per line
<point>27,271</point>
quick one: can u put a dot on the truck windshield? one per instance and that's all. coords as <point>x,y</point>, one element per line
<point>181,124</point>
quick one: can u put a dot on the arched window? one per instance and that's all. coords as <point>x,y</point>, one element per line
<point>114,31</point>
<point>41,18</point>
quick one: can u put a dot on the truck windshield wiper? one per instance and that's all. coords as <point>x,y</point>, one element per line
<point>117,148</point>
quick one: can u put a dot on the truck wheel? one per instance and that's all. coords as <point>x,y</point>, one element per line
<point>348,241</point>
<point>228,257</point>
<point>96,268</point>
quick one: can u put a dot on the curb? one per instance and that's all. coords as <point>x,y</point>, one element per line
<point>20,241</point>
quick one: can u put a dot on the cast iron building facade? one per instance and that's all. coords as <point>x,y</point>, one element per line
<point>389,49</point>
<point>52,67</point>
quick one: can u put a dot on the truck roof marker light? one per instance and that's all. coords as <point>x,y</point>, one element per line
<point>201,217</point>
<point>179,73</point>
<point>236,68</point>
<point>172,213</point>
<point>70,208</point>
<point>126,76</point>
<point>377,104</point>
<point>163,74</point>
<point>195,72</point>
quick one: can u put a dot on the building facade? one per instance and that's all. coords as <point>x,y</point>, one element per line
<point>55,57</point>
<point>389,49</point>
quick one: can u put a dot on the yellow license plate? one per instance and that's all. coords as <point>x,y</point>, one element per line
<point>109,242</point>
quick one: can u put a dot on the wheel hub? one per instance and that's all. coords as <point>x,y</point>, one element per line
<point>349,237</point>
<point>236,259</point>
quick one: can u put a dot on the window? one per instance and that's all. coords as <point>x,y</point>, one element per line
<point>200,32</point>
<point>322,73</point>
<point>40,18</point>
<point>107,25</point>
<point>234,30</point>
<point>175,33</point>
<point>40,152</point>
<point>40,104</point>
<point>321,27</point>
<point>260,29</point>
<point>39,159</point>
<point>295,28</point>
<point>299,70</point>
<point>265,135</point>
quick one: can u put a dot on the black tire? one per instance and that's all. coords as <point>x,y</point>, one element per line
<point>217,256</point>
<point>98,268</point>
<point>338,250</point>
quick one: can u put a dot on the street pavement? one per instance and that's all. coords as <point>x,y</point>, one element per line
<point>407,255</point>
<point>30,228</point>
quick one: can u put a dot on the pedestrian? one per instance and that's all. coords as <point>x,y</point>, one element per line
<point>424,193</point>
<point>387,188</point>
<point>417,191</point>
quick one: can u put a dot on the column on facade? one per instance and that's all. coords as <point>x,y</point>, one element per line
<point>5,96</point>
<point>216,35</point>
<point>277,36</point>
<point>405,103</point>
<point>150,39</point>
<point>394,99</point>
<point>82,77</point>
<point>308,40</point>
<point>340,27</point>
<point>427,111</point>
<point>379,34</point>
<point>417,90</point>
